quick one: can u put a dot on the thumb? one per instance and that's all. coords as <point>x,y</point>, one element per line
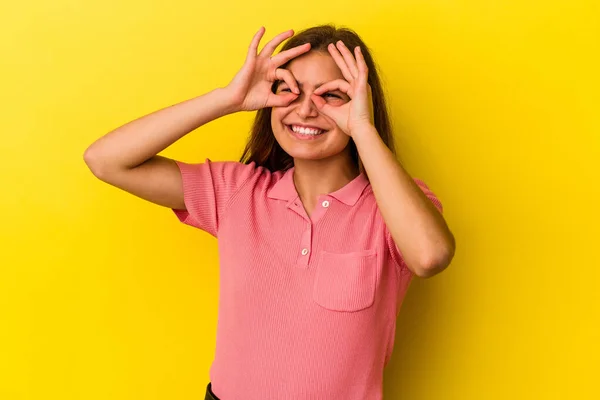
<point>327,109</point>
<point>281,100</point>
<point>322,105</point>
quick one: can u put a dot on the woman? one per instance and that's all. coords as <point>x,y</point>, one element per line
<point>320,229</point>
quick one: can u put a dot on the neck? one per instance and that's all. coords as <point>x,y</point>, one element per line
<point>317,177</point>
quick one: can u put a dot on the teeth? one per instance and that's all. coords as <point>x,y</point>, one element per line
<point>306,131</point>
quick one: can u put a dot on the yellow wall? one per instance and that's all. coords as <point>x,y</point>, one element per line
<point>105,296</point>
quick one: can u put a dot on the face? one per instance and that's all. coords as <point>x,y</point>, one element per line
<point>299,128</point>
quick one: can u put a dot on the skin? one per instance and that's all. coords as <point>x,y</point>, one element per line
<point>322,165</point>
<point>127,157</point>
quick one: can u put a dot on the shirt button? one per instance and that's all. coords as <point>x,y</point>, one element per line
<point>304,252</point>
<point>325,204</point>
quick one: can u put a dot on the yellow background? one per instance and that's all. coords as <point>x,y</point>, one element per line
<point>105,296</point>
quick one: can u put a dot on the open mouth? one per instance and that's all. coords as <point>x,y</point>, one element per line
<point>305,133</point>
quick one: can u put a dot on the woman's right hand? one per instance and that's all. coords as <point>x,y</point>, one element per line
<point>250,89</point>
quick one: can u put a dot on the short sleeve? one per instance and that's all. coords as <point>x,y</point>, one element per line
<point>392,247</point>
<point>207,189</point>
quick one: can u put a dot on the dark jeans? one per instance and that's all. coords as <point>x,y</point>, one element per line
<point>209,394</point>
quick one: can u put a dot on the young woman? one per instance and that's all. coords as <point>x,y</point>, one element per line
<point>320,229</point>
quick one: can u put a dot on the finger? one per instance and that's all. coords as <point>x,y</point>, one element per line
<point>363,69</point>
<point>318,100</point>
<point>349,58</point>
<point>276,41</point>
<point>287,77</point>
<point>327,109</point>
<point>287,55</point>
<point>281,100</point>
<point>339,60</point>
<point>253,48</point>
<point>338,84</point>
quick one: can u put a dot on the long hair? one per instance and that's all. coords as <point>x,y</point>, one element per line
<point>262,147</point>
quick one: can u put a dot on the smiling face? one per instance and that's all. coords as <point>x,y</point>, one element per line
<point>299,128</point>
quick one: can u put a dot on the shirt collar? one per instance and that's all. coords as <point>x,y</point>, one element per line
<point>284,189</point>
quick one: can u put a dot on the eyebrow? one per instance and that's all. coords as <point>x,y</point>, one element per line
<point>300,85</point>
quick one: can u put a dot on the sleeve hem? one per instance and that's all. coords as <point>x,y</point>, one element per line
<point>185,216</point>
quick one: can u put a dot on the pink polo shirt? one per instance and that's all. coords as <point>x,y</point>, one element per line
<point>307,306</point>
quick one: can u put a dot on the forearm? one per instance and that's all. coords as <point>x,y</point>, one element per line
<point>417,227</point>
<point>139,140</point>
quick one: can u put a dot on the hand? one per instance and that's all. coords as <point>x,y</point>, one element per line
<point>358,112</point>
<point>250,89</point>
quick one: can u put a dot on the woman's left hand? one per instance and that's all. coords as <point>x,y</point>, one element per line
<point>358,112</point>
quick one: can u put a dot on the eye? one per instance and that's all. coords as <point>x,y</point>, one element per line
<point>332,95</point>
<point>285,90</point>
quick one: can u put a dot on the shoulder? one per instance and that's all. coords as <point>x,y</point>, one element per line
<point>222,172</point>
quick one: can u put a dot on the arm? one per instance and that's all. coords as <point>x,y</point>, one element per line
<point>416,225</point>
<point>127,157</point>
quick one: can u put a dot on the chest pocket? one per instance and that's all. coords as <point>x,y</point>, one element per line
<point>345,281</point>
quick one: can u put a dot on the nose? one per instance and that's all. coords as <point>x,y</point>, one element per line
<point>306,107</point>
